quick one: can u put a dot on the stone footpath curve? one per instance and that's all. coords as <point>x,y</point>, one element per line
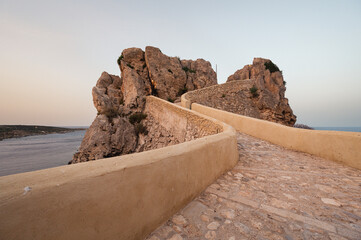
<point>273,193</point>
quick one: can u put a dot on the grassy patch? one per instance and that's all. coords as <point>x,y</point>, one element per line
<point>223,95</point>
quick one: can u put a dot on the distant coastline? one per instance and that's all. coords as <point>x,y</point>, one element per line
<point>344,129</point>
<point>17,131</point>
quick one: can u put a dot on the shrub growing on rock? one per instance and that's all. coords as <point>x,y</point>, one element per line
<point>254,92</point>
<point>271,66</point>
<point>119,59</point>
<point>186,69</point>
<point>182,91</point>
<point>140,129</point>
<point>110,113</point>
<point>137,117</point>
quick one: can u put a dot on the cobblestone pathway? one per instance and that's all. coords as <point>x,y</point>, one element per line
<point>273,193</point>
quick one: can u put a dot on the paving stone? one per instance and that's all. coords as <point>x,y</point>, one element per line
<point>205,218</point>
<point>153,238</point>
<point>176,237</point>
<point>213,225</point>
<point>179,220</point>
<point>242,228</point>
<point>273,193</point>
<point>229,213</point>
<point>331,201</point>
<point>177,229</point>
<point>211,235</point>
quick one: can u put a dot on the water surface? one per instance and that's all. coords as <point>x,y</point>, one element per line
<point>344,129</point>
<point>38,152</point>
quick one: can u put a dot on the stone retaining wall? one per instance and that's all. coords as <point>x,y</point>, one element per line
<point>343,147</point>
<point>124,197</point>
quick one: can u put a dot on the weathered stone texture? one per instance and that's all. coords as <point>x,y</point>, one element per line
<point>106,138</point>
<point>199,74</point>
<point>165,72</point>
<point>270,98</point>
<point>116,99</point>
<point>273,193</point>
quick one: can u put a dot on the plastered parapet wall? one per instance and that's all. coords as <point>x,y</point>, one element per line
<point>342,147</point>
<point>124,197</point>
<point>184,125</point>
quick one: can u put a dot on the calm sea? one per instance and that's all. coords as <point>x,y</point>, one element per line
<point>38,152</point>
<point>45,151</point>
<point>344,129</point>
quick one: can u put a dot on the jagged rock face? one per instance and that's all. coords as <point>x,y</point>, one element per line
<point>107,95</point>
<point>116,99</point>
<point>199,74</point>
<point>166,73</point>
<point>270,96</point>
<point>106,138</point>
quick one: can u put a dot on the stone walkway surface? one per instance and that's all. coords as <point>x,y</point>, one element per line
<point>273,193</point>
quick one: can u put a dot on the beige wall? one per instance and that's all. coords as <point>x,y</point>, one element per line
<point>343,147</point>
<point>123,197</point>
<point>176,120</point>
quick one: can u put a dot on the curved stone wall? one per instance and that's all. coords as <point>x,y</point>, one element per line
<point>343,147</point>
<point>124,197</point>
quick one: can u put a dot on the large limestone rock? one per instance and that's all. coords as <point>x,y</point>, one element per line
<point>166,73</point>
<point>107,95</point>
<point>171,77</point>
<point>106,138</point>
<point>199,74</point>
<point>118,99</point>
<point>269,91</point>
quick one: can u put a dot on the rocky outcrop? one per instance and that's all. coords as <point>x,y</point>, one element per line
<point>121,125</point>
<point>267,92</point>
<point>172,77</point>
<point>199,74</point>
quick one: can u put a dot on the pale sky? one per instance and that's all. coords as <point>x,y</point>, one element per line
<point>53,52</point>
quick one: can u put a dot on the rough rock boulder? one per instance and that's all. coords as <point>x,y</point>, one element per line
<point>268,91</point>
<point>121,126</point>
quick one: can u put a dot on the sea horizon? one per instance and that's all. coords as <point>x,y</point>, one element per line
<point>343,129</point>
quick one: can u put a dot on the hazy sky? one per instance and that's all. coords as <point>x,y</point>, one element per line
<point>53,52</point>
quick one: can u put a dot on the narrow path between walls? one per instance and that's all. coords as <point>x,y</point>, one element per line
<point>273,193</point>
